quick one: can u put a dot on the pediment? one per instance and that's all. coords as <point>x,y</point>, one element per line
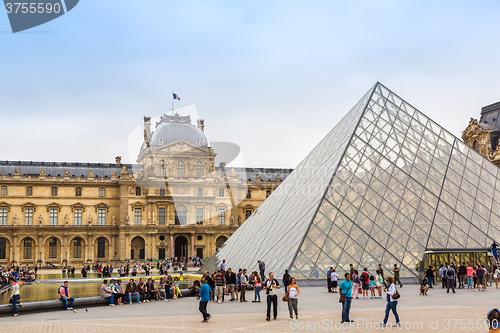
<point>180,146</point>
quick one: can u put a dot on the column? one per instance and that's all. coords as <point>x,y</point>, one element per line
<point>192,245</point>
<point>171,246</point>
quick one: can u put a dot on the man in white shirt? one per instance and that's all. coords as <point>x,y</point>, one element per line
<point>271,285</point>
<point>222,266</point>
<point>334,276</point>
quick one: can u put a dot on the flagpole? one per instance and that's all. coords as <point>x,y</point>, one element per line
<point>172,102</point>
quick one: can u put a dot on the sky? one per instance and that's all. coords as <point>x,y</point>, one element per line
<point>273,77</point>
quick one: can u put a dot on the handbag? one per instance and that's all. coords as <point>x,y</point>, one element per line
<point>286,298</point>
<point>396,295</point>
<point>342,298</point>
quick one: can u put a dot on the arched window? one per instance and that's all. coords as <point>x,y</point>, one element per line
<point>180,168</point>
<point>52,248</point>
<point>221,192</point>
<point>28,246</point>
<point>180,215</point>
<point>3,190</point>
<point>77,248</point>
<point>3,248</point>
<point>102,192</point>
<point>476,146</point>
<point>199,169</point>
<point>78,191</point>
<point>101,247</point>
<point>53,191</point>
<point>29,191</point>
<point>199,192</point>
<point>162,168</point>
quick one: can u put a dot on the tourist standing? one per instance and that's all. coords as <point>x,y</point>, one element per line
<point>65,297</point>
<point>231,283</point>
<point>262,269</point>
<point>365,282</point>
<point>14,295</point>
<point>429,274</point>
<point>470,271</point>
<point>345,288</point>
<point>222,265</point>
<point>219,286</point>
<point>380,272</point>
<point>450,278</point>
<point>286,279</point>
<point>271,285</point>
<point>496,275</point>
<point>442,274</point>
<point>481,285</point>
<point>243,285</point>
<point>84,272</point>
<point>204,298</point>
<point>329,279</point>
<point>351,270</point>
<point>396,275</point>
<point>293,291</point>
<point>258,287</point>
<point>462,273</point>
<point>379,282</point>
<point>391,302</point>
<point>334,280</point>
<point>356,284</point>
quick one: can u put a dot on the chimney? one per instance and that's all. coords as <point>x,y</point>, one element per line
<point>201,125</point>
<point>147,130</point>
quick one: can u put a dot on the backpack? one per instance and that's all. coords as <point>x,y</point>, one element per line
<point>480,273</point>
<point>450,273</point>
<point>364,277</point>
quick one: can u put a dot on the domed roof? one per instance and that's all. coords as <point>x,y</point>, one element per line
<point>175,128</point>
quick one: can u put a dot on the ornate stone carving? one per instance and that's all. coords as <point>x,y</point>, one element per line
<point>66,173</point>
<point>40,219</point>
<point>15,219</point>
<point>90,219</point>
<point>90,174</point>
<point>131,191</point>
<point>42,172</point>
<point>124,170</point>
<point>113,173</point>
<point>17,171</point>
<point>118,160</point>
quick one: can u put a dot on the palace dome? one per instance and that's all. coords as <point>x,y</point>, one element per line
<point>173,128</point>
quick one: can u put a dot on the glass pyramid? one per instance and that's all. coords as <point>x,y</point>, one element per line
<point>383,186</point>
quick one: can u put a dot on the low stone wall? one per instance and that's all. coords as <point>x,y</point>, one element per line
<point>54,305</point>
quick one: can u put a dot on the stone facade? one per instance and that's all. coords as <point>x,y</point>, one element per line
<point>483,136</point>
<point>173,202</point>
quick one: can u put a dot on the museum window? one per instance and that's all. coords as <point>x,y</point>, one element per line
<point>181,215</point>
<point>3,248</point>
<point>78,216</point>
<point>101,217</point>
<point>248,212</point>
<point>138,216</point>
<point>29,191</point>
<point>78,191</point>
<point>199,192</point>
<point>268,193</point>
<point>102,192</point>
<point>161,215</point>
<point>199,215</point>
<point>77,248</point>
<point>138,191</point>
<point>249,194</point>
<point>3,191</point>
<point>27,248</point>
<point>221,192</point>
<point>52,248</point>
<point>180,168</point>
<point>162,168</point>
<point>162,191</point>
<point>101,247</point>
<point>28,216</point>
<point>53,216</point>
<point>199,169</point>
<point>222,216</point>
<point>3,216</point>
<point>475,145</point>
<point>53,191</point>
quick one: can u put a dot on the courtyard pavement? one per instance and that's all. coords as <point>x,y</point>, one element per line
<point>319,311</point>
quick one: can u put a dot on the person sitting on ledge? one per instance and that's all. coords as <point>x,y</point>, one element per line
<point>64,296</point>
<point>131,290</point>
<point>107,293</point>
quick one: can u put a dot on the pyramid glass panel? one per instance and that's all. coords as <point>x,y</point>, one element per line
<point>384,186</point>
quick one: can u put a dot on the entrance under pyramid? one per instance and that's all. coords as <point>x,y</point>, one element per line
<point>387,185</point>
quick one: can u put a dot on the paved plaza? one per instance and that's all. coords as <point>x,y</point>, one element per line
<point>319,311</point>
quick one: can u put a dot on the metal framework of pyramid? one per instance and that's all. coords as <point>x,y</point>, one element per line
<point>383,186</point>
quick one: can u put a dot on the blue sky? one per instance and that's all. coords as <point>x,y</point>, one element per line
<point>272,76</point>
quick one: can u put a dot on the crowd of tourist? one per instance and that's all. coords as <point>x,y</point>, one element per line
<point>19,273</point>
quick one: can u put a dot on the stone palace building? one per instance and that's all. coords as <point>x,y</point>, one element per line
<point>173,202</point>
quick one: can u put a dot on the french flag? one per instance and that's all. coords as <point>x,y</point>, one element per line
<point>177,97</point>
